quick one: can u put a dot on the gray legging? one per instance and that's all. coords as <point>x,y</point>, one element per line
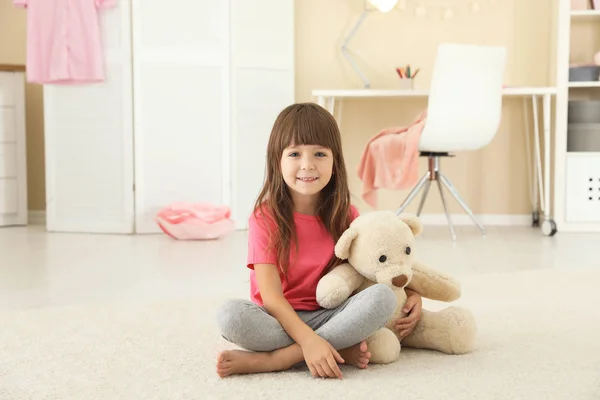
<point>251,327</point>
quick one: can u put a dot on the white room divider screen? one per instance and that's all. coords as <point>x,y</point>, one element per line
<point>191,93</point>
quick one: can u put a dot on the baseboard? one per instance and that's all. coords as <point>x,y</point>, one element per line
<point>465,220</point>
<point>37,217</point>
<point>485,219</point>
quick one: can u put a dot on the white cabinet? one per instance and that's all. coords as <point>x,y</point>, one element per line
<point>13,165</point>
<point>576,168</point>
<point>181,89</point>
<point>89,141</point>
<point>583,188</point>
<point>184,115</point>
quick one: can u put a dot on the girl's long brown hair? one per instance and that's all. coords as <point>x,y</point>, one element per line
<point>303,124</point>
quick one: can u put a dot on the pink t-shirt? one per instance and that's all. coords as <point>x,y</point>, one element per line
<point>315,249</point>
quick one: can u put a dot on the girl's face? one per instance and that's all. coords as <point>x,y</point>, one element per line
<point>306,169</point>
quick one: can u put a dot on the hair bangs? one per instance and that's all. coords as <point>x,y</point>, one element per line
<point>311,128</point>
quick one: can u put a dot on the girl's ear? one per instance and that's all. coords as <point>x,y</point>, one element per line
<point>342,247</point>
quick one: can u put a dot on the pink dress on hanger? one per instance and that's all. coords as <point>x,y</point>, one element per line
<point>63,40</point>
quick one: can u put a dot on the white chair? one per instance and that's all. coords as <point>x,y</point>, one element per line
<point>464,110</point>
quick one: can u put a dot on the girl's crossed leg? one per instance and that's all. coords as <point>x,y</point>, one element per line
<point>271,349</point>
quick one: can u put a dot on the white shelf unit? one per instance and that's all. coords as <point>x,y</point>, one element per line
<point>585,14</point>
<point>591,84</point>
<point>576,174</point>
<point>13,162</point>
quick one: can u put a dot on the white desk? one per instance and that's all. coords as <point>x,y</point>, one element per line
<point>328,98</point>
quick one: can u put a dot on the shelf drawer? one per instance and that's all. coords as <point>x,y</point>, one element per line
<point>583,137</point>
<point>582,196</point>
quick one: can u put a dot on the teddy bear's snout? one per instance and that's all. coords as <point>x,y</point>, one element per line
<point>400,280</point>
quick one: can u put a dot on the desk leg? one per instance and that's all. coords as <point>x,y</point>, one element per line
<point>327,102</point>
<point>531,169</point>
<point>549,226</point>
<point>331,105</point>
<point>339,106</point>
<point>321,101</point>
<point>536,149</point>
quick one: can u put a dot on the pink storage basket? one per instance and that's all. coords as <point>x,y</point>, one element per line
<point>195,221</point>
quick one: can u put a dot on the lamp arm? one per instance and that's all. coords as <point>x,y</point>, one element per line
<point>346,53</point>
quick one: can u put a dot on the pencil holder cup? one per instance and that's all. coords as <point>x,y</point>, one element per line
<point>406,84</point>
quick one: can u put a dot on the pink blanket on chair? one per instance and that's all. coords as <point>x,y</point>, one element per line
<point>391,159</point>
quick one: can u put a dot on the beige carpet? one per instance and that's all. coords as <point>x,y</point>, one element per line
<point>539,338</point>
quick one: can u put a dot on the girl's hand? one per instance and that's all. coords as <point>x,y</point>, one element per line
<point>413,306</point>
<point>321,357</point>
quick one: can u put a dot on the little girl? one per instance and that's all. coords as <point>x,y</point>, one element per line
<point>300,213</point>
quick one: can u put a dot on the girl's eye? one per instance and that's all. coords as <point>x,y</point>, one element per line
<point>293,154</point>
<point>321,154</point>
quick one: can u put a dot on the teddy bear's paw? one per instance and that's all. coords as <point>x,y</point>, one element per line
<point>461,329</point>
<point>451,330</point>
<point>383,346</point>
<point>332,291</point>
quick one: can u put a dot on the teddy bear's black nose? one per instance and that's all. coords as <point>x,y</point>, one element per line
<point>382,258</point>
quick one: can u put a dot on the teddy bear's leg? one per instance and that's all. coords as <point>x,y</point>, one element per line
<point>383,346</point>
<point>451,330</point>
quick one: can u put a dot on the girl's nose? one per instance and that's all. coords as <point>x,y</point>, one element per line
<point>307,165</point>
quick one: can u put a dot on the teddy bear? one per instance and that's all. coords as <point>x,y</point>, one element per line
<point>378,247</point>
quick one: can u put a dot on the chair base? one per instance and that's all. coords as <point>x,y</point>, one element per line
<point>434,174</point>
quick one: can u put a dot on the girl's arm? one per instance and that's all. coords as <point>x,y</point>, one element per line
<point>413,308</point>
<point>277,305</point>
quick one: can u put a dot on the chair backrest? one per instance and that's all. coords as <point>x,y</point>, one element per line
<point>465,98</point>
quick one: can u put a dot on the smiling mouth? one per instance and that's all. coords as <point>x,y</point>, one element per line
<point>307,179</point>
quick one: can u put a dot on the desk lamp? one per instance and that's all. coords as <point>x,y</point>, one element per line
<point>381,5</point>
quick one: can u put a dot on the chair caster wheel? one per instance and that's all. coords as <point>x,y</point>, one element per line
<point>549,227</point>
<point>535,219</point>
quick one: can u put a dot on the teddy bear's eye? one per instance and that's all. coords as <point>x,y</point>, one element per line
<point>382,258</point>
<point>407,250</point>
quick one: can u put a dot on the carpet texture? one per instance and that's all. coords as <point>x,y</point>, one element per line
<point>539,338</point>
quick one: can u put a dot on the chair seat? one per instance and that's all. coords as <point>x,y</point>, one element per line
<point>435,154</point>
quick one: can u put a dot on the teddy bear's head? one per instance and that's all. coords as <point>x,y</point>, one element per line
<point>379,245</point>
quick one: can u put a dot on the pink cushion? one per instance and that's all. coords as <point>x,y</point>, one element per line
<point>195,221</point>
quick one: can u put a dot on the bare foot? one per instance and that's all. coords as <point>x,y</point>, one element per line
<point>357,355</point>
<point>232,362</point>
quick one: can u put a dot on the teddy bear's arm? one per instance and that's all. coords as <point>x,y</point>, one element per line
<point>336,286</point>
<point>433,284</point>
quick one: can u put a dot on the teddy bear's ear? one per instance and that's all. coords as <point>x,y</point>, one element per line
<point>413,222</point>
<point>342,247</point>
